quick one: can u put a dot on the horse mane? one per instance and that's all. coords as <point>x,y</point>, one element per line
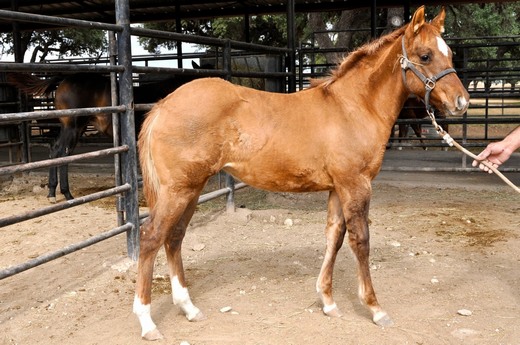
<point>354,57</point>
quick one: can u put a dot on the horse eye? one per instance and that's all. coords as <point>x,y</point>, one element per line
<point>425,58</point>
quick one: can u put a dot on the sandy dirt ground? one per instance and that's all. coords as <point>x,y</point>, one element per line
<point>444,261</point>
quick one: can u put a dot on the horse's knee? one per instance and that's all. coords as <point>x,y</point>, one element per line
<point>149,240</point>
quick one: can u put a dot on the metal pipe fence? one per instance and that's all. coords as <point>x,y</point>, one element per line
<point>124,148</point>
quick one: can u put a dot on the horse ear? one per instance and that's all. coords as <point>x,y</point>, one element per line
<point>439,20</point>
<point>417,20</point>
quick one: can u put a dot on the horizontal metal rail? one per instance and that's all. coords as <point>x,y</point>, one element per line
<point>440,169</point>
<point>41,19</point>
<point>63,205</point>
<point>64,251</point>
<point>178,71</point>
<point>204,198</point>
<point>46,114</point>
<point>138,31</point>
<point>459,121</point>
<point>46,67</point>
<point>215,194</point>
<point>208,72</point>
<point>12,169</point>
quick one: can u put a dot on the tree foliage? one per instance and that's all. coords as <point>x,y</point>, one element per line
<point>485,24</point>
<point>59,43</point>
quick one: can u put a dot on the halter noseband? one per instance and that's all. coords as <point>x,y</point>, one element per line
<point>429,83</point>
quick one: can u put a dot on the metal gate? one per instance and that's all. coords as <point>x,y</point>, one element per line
<point>122,70</point>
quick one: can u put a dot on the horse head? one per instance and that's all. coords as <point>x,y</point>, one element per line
<point>427,65</point>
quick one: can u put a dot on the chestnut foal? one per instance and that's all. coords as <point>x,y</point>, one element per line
<point>329,137</point>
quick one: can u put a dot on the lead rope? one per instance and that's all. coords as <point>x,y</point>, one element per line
<point>429,84</point>
<point>450,141</point>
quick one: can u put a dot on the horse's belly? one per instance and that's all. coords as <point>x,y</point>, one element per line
<point>278,179</point>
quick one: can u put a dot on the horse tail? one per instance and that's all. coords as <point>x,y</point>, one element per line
<point>148,171</point>
<point>32,85</point>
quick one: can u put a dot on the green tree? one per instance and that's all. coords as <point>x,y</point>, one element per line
<point>266,29</point>
<point>483,24</point>
<point>63,43</point>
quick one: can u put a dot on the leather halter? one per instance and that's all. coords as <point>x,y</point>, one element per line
<point>429,83</point>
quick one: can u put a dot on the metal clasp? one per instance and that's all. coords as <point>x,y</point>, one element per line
<point>429,84</point>
<point>403,61</point>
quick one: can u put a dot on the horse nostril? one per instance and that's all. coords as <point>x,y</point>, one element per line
<point>461,103</point>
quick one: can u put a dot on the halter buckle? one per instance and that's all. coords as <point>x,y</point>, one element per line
<point>429,84</point>
<point>403,61</point>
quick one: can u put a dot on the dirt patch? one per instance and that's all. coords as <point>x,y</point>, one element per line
<point>435,250</point>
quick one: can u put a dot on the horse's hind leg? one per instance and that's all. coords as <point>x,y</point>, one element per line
<point>172,246</point>
<point>159,227</point>
<point>356,204</point>
<point>334,233</point>
<point>64,146</point>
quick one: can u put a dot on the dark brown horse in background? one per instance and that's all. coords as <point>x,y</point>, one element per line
<point>85,90</point>
<point>330,137</point>
<point>414,109</point>
<point>81,90</point>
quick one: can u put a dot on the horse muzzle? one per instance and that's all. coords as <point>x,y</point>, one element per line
<point>458,106</point>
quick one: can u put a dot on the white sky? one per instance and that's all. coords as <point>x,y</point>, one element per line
<point>136,50</point>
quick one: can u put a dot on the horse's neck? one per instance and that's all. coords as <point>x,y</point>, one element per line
<point>384,89</point>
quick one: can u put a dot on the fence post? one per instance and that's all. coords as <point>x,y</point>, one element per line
<point>230,199</point>
<point>127,124</point>
<point>230,181</point>
<point>291,44</point>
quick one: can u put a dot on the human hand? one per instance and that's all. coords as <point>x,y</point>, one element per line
<point>495,153</point>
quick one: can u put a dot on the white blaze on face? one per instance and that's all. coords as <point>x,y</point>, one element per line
<point>443,47</point>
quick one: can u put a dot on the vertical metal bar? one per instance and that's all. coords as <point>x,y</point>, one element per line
<point>464,162</point>
<point>247,32</point>
<point>291,44</point>
<point>406,11</point>
<point>230,182</point>
<point>226,60</point>
<point>373,19</point>
<point>230,198</point>
<point>300,69</point>
<point>18,57</point>
<point>178,28</point>
<point>115,125</point>
<point>128,159</point>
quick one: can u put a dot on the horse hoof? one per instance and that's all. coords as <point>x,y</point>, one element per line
<point>383,320</point>
<point>334,312</point>
<point>198,317</point>
<point>152,335</point>
<point>52,199</point>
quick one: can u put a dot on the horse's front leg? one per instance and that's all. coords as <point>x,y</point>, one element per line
<point>356,204</point>
<point>64,181</point>
<point>334,233</point>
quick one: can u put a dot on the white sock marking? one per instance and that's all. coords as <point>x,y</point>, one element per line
<point>378,316</point>
<point>443,47</point>
<point>143,313</point>
<point>181,297</point>
<point>328,308</point>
